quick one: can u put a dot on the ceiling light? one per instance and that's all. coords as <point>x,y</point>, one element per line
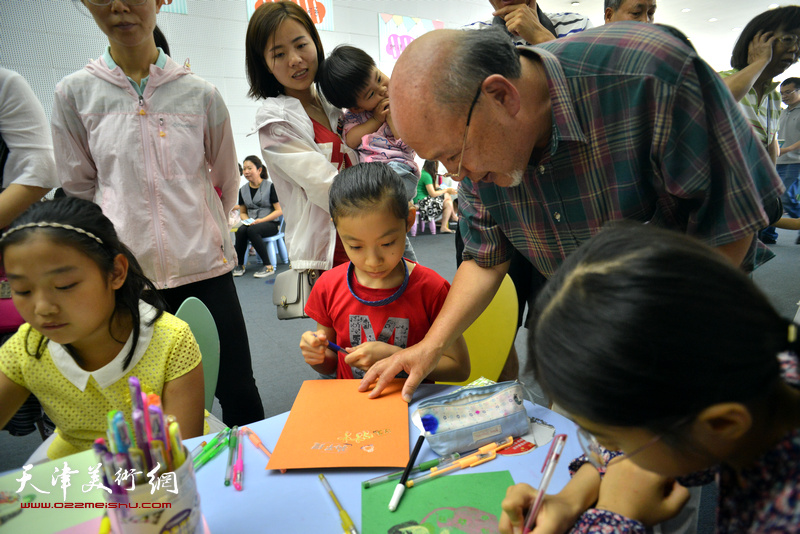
<point>713,19</point>
<point>736,29</point>
<point>772,6</point>
<point>685,10</point>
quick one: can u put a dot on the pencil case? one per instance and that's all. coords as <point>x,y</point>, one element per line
<point>470,418</point>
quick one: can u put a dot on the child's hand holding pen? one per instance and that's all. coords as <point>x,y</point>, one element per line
<point>558,514</point>
<point>549,513</point>
<point>656,499</point>
<point>319,352</point>
<point>314,347</point>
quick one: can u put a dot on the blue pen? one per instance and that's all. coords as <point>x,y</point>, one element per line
<point>336,347</point>
<point>121,434</point>
<point>333,346</point>
<point>112,443</point>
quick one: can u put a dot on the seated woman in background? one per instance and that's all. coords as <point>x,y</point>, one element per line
<point>433,202</point>
<point>260,212</point>
<point>658,347</point>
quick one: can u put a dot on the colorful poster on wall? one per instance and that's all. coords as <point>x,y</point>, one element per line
<point>177,6</point>
<point>396,31</point>
<point>320,12</point>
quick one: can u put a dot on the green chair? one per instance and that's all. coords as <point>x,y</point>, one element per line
<point>200,320</point>
<point>492,334</point>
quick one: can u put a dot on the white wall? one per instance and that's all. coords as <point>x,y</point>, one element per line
<point>45,40</point>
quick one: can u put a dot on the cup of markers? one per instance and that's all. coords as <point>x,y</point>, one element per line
<point>147,471</point>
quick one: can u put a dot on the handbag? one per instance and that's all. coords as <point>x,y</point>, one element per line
<point>470,418</point>
<point>291,292</point>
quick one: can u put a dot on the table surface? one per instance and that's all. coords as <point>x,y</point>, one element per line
<point>272,501</point>
<point>295,501</point>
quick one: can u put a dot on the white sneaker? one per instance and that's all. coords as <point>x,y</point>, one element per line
<point>238,270</point>
<point>265,272</point>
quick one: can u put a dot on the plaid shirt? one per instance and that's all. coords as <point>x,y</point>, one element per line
<point>643,129</point>
<point>763,116</point>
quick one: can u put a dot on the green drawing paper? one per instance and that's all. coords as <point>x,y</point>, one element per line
<point>452,504</point>
<point>63,511</point>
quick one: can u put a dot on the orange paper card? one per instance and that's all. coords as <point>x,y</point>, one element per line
<point>332,424</point>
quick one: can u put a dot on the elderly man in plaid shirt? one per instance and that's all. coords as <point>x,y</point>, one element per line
<point>551,142</point>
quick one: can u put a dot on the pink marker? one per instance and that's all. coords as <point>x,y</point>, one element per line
<point>549,466</point>
<point>238,468</point>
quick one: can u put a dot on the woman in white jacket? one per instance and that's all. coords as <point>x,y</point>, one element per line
<point>151,143</point>
<point>297,129</point>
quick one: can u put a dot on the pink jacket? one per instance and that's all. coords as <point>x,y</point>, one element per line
<point>152,163</point>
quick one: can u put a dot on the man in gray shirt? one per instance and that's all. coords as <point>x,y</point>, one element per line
<point>788,163</point>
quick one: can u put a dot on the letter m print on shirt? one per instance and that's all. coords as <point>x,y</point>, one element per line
<point>361,331</point>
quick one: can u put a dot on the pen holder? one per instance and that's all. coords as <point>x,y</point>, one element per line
<point>160,504</point>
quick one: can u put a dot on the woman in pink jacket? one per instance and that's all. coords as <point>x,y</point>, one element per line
<point>151,143</point>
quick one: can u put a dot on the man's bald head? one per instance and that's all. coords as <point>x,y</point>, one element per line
<point>440,71</point>
<point>419,70</point>
<point>447,78</point>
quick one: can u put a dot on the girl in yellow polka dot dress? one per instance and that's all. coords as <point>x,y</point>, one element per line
<point>92,320</point>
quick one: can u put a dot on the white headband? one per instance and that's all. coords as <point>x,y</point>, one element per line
<point>52,225</point>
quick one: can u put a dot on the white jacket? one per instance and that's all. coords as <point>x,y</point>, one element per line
<point>152,164</point>
<point>302,173</point>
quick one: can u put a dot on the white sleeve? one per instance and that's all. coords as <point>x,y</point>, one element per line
<point>25,131</point>
<point>286,151</point>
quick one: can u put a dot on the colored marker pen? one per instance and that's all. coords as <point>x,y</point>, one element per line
<point>141,437</point>
<point>176,445</point>
<point>238,469</point>
<point>231,455</point>
<point>136,392</point>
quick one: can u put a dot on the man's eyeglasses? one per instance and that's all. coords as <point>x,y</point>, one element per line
<point>597,454</point>
<point>457,174</point>
<point>787,93</point>
<point>788,41</point>
<point>107,2</point>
